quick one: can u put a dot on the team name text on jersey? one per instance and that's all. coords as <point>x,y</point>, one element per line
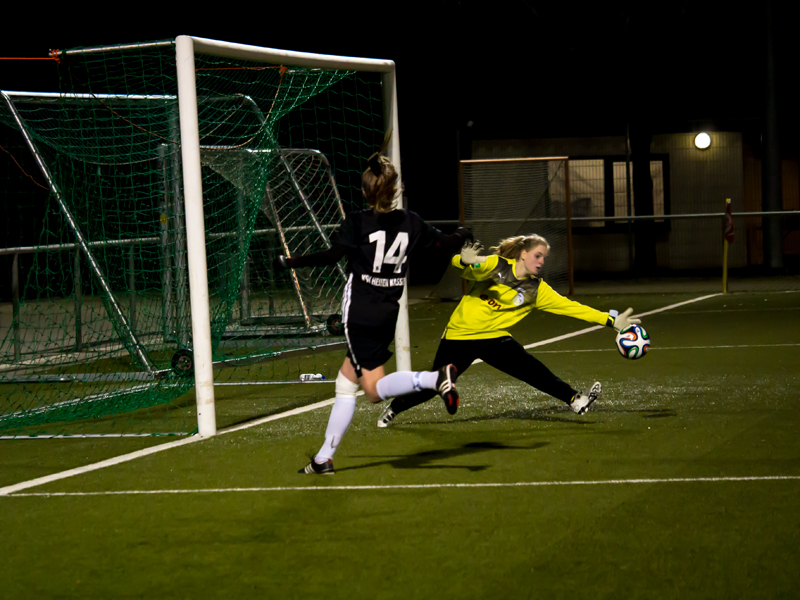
<point>383,281</point>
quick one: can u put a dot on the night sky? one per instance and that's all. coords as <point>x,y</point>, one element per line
<point>514,69</point>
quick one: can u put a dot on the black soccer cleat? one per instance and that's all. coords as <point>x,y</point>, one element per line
<point>446,387</point>
<point>315,468</point>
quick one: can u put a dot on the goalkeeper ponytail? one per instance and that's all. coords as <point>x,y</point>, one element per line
<point>512,247</point>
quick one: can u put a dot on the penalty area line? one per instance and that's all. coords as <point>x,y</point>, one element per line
<point>420,486</point>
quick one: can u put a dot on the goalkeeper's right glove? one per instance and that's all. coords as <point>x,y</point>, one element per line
<point>623,320</point>
<point>470,254</point>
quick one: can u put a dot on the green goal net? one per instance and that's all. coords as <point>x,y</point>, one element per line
<point>96,327</point>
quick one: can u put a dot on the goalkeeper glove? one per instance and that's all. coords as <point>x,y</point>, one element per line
<point>623,320</point>
<point>470,254</point>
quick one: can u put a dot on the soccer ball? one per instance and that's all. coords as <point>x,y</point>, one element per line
<point>633,342</point>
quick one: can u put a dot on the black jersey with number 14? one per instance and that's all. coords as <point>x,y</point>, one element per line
<point>378,246</point>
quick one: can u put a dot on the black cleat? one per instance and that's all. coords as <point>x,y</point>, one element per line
<point>315,468</point>
<point>445,385</point>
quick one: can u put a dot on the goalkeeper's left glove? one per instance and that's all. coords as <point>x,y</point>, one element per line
<point>470,254</point>
<point>623,320</point>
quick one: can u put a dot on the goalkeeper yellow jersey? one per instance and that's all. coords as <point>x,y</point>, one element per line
<point>499,300</point>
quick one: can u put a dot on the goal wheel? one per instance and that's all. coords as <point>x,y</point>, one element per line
<point>183,362</point>
<point>335,326</point>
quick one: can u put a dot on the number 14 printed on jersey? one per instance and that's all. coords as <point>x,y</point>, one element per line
<point>396,254</point>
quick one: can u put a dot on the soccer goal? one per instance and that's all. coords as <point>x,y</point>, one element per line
<point>170,175</point>
<point>500,198</point>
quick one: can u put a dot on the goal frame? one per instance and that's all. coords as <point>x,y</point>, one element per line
<point>186,48</point>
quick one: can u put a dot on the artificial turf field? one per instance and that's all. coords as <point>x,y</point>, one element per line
<point>682,482</point>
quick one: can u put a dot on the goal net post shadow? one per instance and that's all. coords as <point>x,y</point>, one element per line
<point>502,198</point>
<point>232,173</point>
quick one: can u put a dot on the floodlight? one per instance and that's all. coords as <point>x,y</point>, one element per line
<point>702,141</point>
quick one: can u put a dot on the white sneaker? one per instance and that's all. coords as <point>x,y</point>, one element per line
<point>387,417</point>
<point>581,402</point>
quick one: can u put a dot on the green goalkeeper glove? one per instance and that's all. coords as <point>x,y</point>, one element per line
<point>470,254</point>
<point>623,320</point>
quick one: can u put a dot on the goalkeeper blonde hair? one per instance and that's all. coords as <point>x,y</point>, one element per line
<point>512,247</point>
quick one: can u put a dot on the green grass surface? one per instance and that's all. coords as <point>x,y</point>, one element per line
<point>716,398</point>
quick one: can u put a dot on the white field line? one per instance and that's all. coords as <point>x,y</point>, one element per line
<point>11,489</point>
<point>730,310</point>
<point>5,491</point>
<point>659,348</point>
<point>420,486</point>
<point>84,436</point>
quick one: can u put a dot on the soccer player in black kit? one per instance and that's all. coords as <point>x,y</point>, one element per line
<point>376,242</point>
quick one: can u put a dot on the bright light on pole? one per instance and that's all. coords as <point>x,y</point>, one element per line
<point>702,141</point>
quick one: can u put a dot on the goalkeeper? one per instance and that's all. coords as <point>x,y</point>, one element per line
<point>506,289</point>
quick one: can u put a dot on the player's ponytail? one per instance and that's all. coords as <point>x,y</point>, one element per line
<point>512,247</point>
<point>379,181</point>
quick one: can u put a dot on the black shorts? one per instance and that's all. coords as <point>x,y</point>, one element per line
<point>368,346</point>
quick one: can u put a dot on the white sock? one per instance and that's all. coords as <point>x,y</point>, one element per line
<point>406,382</point>
<point>341,414</point>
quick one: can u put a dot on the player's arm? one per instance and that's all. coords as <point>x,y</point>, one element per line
<point>455,241</point>
<point>343,240</point>
<point>549,300</point>
<point>331,256</point>
<point>449,242</point>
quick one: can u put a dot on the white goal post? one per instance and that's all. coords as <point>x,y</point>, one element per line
<point>186,49</point>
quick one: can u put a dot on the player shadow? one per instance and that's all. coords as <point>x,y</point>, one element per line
<point>647,413</point>
<point>548,415</point>
<point>659,414</point>
<point>425,460</point>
